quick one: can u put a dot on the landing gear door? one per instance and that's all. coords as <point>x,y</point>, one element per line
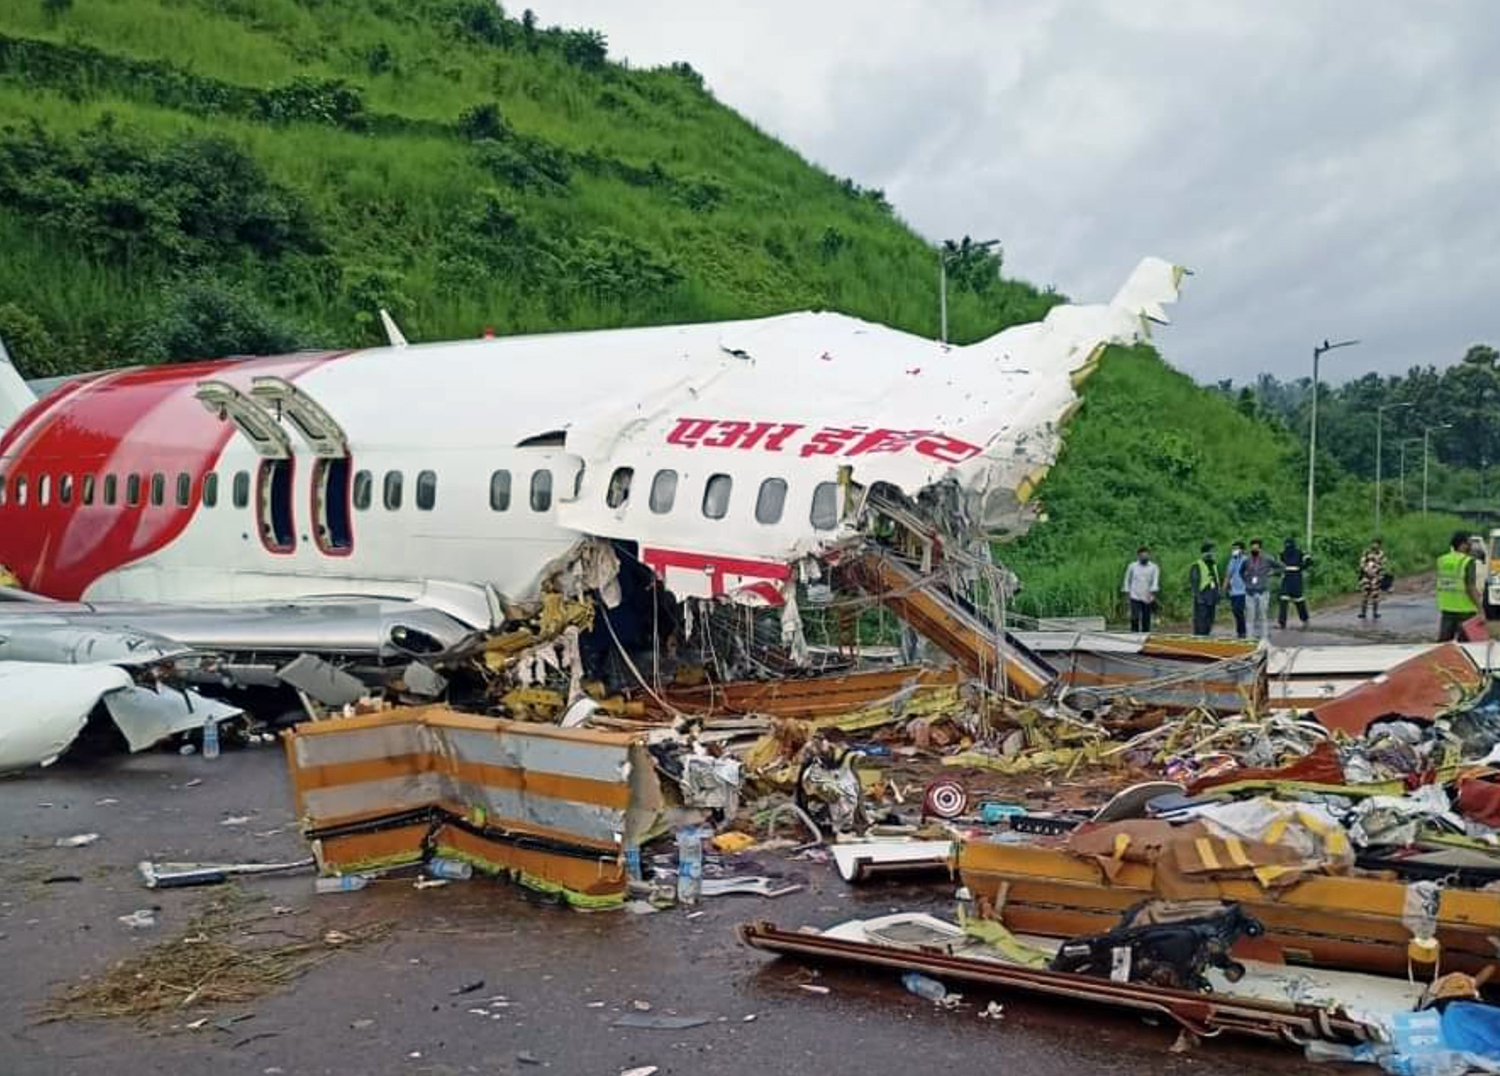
<point>252,420</point>
<point>323,435</point>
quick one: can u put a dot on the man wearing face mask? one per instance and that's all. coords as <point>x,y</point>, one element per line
<point>1234,586</point>
<point>1258,570</point>
<point>1205,583</point>
<point>1142,581</point>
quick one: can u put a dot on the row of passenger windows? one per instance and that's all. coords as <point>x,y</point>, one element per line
<point>22,489</point>
<point>770,499</point>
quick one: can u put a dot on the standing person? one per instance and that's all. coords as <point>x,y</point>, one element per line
<point>1234,586</point>
<point>1142,582</point>
<point>1294,563</point>
<point>1204,581</point>
<point>1457,588</point>
<point>1258,570</point>
<point>1371,577</point>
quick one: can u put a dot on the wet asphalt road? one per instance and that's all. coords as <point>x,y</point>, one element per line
<point>389,1008</point>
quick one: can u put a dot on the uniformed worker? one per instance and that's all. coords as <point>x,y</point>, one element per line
<point>1457,588</point>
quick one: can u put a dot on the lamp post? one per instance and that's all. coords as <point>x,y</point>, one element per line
<point>1426,437</point>
<point>1312,440</point>
<point>1404,443</point>
<point>1379,422</point>
<point>945,252</point>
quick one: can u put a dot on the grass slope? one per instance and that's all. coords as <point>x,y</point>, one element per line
<point>460,167</point>
<point>1152,458</point>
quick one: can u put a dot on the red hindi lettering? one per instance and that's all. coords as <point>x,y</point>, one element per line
<point>947,449</point>
<point>887,441</point>
<point>777,439</point>
<point>830,440</point>
<point>690,431</point>
<point>729,435</point>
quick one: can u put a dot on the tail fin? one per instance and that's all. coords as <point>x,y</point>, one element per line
<point>1152,283</point>
<point>15,396</point>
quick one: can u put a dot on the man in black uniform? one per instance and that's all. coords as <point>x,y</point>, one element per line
<point>1294,563</point>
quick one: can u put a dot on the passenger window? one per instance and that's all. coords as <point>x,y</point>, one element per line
<point>770,502</point>
<point>44,489</point>
<point>20,490</point>
<point>663,492</point>
<point>392,494</point>
<point>426,490</point>
<point>716,496</point>
<point>500,491</point>
<point>242,489</point>
<point>210,489</point>
<point>619,486</point>
<point>364,485</point>
<point>111,488</point>
<point>541,491</point>
<point>132,490</point>
<point>184,489</point>
<point>158,488</point>
<point>88,490</point>
<point>64,489</point>
<point>825,506</point>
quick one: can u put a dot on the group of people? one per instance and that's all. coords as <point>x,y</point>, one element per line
<point>1248,578</point>
<point>1247,581</point>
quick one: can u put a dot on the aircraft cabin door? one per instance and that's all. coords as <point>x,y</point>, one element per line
<point>275,520</point>
<point>332,510</point>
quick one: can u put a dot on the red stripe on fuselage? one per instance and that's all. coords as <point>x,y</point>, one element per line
<point>140,421</point>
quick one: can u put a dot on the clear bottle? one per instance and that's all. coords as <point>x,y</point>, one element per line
<point>341,883</point>
<point>924,987</point>
<point>633,862</point>
<point>689,865</point>
<point>211,738</point>
<point>455,869</point>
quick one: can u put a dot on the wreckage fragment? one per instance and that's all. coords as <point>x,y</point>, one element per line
<point>549,807</point>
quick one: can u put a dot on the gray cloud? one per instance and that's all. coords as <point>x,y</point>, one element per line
<point>1326,169</point>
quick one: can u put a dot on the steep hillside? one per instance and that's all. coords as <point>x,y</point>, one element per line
<point>1152,458</point>
<point>190,177</point>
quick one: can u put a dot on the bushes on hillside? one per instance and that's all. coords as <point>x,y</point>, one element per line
<point>207,319</point>
<point>196,199</point>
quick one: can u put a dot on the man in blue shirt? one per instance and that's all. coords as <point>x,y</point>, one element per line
<point>1234,586</point>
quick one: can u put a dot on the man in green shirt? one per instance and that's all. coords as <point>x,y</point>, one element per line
<point>1457,588</point>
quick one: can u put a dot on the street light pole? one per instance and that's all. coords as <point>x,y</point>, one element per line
<point>943,295</point>
<point>1426,435</point>
<point>1379,490</point>
<point>943,255</point>
<point>1312,446</point>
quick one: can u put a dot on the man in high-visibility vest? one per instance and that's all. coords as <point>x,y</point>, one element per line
<point>1204,582</point>
<point>1457,588</point>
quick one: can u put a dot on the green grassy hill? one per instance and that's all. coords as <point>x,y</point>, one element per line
<point>190,177</point>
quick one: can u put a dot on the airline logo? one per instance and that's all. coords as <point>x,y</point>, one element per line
<point>820,441</point>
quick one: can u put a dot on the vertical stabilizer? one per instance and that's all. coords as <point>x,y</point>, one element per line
<point>15,397</point>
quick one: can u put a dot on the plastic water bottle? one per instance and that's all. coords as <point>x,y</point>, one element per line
<point>633,862</point>
<point>210,738</point>
<point>924,987</point>
<point>689,865</point>
<point>455,869</point>
<point>341,883</point>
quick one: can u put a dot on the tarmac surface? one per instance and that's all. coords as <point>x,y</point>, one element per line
<point>554,981</point>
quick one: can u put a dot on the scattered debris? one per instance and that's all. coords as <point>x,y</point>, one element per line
<point>467,988</point>
<point>218,959</point>
<point>660,1022</point>
<point>176,875</point>
<point>80,840</point>
<point>140,919</point>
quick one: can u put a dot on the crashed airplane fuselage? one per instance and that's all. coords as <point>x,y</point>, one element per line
<point>460,476</point>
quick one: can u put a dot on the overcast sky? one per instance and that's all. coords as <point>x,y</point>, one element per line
<point>1327,168</point>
